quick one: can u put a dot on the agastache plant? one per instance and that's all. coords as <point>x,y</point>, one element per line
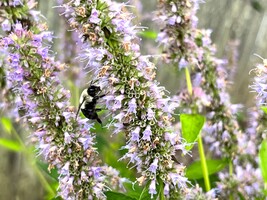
<point>221,112</point>
<point>193,49</point>
<point>65,143</point>
<point>207,94</point>
<point>138,105</point>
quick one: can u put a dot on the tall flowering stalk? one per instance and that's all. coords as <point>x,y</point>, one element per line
<point>247,179</point>
<point>178,35</point>
<point>192,48</point>
<point>10,13</point>
<point>138,105</point>
<point>223,126</point>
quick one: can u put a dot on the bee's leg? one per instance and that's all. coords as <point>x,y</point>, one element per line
<point>79,108</point>
<point>95,116</point>
<point>99,97</point>
<point>99,121</point>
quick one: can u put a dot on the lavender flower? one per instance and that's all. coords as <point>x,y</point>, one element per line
<point>139,107</point>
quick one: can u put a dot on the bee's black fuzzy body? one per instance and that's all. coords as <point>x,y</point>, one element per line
<point>88,102</point>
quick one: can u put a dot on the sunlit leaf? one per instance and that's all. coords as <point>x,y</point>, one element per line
<point>191,127</point>
<point>263,159</point>
<point>10,145</point>
<point>7,124</point>
<point>264,108</point>
<point>148,34</point>
<point>194,170</point>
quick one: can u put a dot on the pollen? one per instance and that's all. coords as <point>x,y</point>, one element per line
<point>112,80</point>
<point>81,11</point>
<point>92,36</point>
<point>103,70</point>
<point>30,34</point>
<point>47,73</point>
<point>132,82</point>
<point>141,180</point>
<point>74,25</point>
<point>42,90</point>
<point>126,46</point>
<point>156,141</point>
<point>61,66</point>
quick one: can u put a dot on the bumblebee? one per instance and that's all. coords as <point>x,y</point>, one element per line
<point>88,102</point>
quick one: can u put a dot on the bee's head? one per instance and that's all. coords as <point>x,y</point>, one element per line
<point>93,90</point>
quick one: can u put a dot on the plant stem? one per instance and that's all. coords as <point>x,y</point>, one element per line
<point>143,192</point>
<point>203,163</point>
<point>161,192</point>
<point>200,144</point>
<point>188,82</point>
<point>231,174</point>
<point>230,168</point>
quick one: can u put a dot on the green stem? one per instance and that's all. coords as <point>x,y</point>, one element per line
<point>203,163</point>
<point>143,191</point>
<point>231,197</point>
<point>200,144</point>
<point>161,192</point>
<point>188,82</point>
<point>28,155</point>
<point>230,168</point>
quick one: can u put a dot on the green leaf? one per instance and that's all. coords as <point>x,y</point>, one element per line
<point>115,195</point>
<point>241,196</point>
<point>256,5</point>
<point>264,108</point>
<point>136,192</point>
<point>191,127</point>
<point>10,144</point>
<point>194,170</point>
<point>148,34</point>
<point>263,159</point>
<point>7,124</point>
<point>44,166</point>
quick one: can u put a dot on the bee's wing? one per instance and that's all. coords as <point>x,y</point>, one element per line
<point>79,108</point>
<point>82,100</point>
